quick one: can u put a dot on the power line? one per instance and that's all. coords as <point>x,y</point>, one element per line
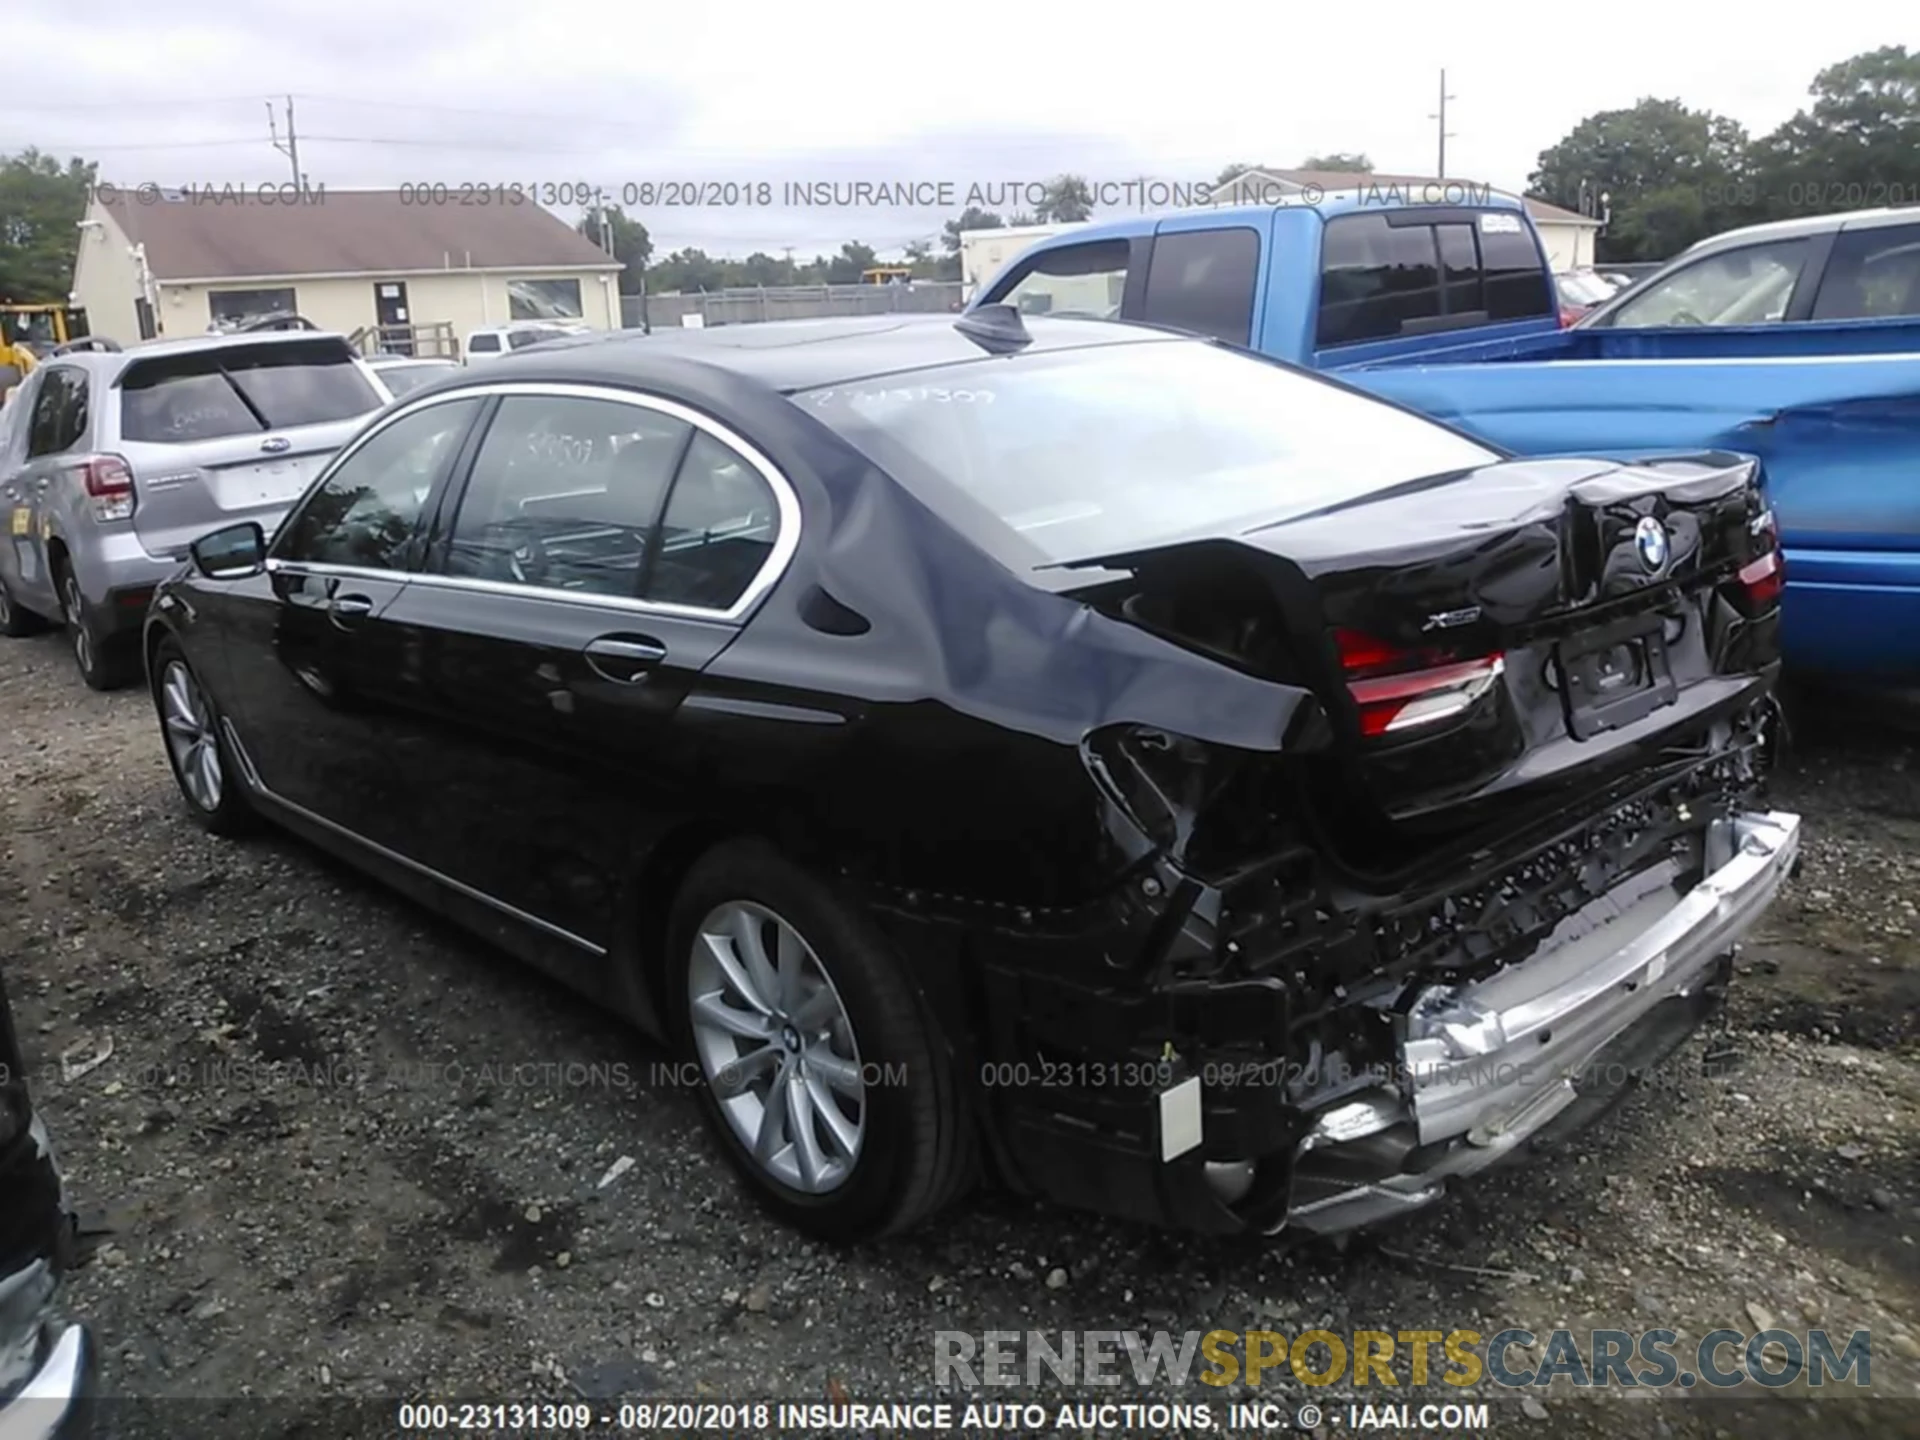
<point>171,102</point>
<point>89,146</point>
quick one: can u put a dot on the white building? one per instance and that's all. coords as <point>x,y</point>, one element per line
<point>983,253</point>
<point>174,263</point>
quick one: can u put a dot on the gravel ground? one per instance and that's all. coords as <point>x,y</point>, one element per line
<point>399,1210</point>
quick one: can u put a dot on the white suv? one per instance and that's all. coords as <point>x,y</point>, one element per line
<point>497,340</point>
<point>112,462</point>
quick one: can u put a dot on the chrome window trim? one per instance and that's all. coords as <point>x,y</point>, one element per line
<point>546,593</point>
<point>764,579</point>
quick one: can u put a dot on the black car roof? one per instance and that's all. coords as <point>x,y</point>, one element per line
<point>790,355</point>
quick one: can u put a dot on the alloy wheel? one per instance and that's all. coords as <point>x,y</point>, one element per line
<point>776,1046</point>
<point>77,622</point>
<point>191,738</point>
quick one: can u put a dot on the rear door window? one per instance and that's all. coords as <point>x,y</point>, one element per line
<point>484,345</point>
<point>242,390</point>
<point>59,418</point>
<point>719,529</point>
<point>1872,274</point>
<point>1203,281</point>
<point>1084,280</point>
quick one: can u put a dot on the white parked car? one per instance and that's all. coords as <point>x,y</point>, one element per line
<point>497,340</point>
<point>404,373</point>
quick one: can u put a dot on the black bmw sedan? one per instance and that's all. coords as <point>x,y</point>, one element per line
<point>1063,749</point>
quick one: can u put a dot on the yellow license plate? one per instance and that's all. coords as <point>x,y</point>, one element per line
<point>23,522</point>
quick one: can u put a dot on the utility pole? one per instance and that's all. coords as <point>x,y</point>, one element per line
<point>292,147</point>
<point>1439,115</point>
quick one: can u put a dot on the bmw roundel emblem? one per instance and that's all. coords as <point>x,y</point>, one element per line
<point>1650,539</point>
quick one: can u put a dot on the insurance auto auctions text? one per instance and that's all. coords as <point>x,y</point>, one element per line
<point>1139,194</point>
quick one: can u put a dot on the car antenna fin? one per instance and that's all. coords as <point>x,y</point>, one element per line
<point>997,329</point>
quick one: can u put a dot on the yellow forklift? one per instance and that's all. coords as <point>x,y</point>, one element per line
<point>30,333</point>
<point>42,328</point>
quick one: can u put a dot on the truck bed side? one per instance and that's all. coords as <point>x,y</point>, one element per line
<point>1833,411</point>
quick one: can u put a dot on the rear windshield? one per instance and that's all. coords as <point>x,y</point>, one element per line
<point>1080,453</point>
<point>242,390</point>
<point>484,342</point>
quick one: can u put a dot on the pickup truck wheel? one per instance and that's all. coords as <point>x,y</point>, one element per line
<point>196,749</point>
<point>824,1076</point>
<point>16,620</point>
<point>105,662</point>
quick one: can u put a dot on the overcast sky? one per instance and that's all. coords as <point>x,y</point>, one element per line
<point>392,91</point>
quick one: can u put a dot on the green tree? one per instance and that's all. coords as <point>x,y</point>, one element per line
<point>1344,162</point>
<point>761,268</point>
<point>925,264</point>
<point>1857,145</point>
<point>846,267</point>
<point>1656,148</point>
<point>41,206</point>
<point>687,271</point>
<point>1068,198</point>
<point>630,244</point>
<point>971,218</point>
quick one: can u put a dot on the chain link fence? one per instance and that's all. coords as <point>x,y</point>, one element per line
<point>788,302</point>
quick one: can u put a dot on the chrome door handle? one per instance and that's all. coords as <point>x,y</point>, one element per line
<point>625,661</point>
<point>351,605</point>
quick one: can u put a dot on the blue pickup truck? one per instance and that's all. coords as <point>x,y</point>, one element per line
<point>1450,310</point>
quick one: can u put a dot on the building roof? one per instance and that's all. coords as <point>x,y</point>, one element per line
<point>1329,180</point>
<point>216,236</point>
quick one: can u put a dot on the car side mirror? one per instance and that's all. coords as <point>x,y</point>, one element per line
<point>231,554</point>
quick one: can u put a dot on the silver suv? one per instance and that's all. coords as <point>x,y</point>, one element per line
<point>112,462</point>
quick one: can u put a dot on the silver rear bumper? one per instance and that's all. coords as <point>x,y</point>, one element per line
<point>1486,1067</point>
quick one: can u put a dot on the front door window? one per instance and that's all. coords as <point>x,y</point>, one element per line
<point>367,512</point>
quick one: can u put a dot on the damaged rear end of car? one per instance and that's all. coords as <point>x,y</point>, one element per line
<point>1432,818</point>
<point>1497,878</point>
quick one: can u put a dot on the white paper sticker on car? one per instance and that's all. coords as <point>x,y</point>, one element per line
<point>1496,224</point>
<point>1180,1119</point>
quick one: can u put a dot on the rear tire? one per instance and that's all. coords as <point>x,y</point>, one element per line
<point>779,984</point>
<point>105,661</point>
<point>16,620</point>
<point>197,750</point>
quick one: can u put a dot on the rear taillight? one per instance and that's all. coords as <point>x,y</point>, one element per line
<point>109,485</point>
<point>1398,690</point>
<point>1765,576</point>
